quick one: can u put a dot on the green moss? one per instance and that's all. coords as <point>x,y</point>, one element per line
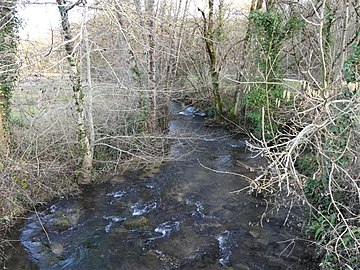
<point>137,223</point>
<point>307,164</point>
<point>351,66</point>
<point>64,222</point>
<point>211,112</point>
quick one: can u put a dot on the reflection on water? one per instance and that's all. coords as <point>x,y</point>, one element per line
<point>182,217</point>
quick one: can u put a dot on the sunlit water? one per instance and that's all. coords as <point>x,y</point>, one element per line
<point>183,217</point>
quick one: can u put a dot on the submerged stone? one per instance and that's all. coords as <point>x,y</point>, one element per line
<point>137,223</point>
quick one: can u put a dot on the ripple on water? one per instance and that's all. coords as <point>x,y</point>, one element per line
<point>238,144</point>
<point>74,261</point>
<point>226,245</point>
<point>188,111</point>
<point>117,194</point>
<point>167,227</point>
<point>222,161</point>
<point>113,219</point>
<point>200,210</point>
<point>140,208</point>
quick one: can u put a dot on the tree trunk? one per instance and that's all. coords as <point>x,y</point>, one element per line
<point>8,70</point>
<point>153,117</point>
<point>210,42</point>
<point>4,134</point>
<point>344,38</point>
<point>75,78</point>
<point>322,47</point>
<point>89,103</point>
<point>235,108</point>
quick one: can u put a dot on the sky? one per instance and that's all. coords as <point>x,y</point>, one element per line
<point>39,18</point>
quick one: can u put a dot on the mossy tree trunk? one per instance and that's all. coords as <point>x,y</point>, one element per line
<point>8,69</point>
<point>212,37</point>
<point>78,93</point>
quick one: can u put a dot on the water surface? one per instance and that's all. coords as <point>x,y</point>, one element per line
<point>183,216</point>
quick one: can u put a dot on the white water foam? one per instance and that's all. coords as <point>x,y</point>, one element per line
<point>192,111</point>
<point>167,227</point>
<point>199,210</point>
<point>113,219</point>
<point>139,208</point>
<point>117,194</point>
<point>224,248</point>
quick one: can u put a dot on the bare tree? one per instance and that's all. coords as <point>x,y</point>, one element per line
<point>85,149</point>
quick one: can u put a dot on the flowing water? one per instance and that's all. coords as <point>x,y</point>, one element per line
<point>182,216</point>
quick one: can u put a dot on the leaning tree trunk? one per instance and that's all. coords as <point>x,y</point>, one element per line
<point>75,78</point>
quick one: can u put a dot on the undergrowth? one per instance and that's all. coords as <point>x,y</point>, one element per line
<point>317,165</point>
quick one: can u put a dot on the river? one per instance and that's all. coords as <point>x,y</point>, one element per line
<point>182,215</point>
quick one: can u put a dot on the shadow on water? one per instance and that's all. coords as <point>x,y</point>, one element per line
<point>182,217</point>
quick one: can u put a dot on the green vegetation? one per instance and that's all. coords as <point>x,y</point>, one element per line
<point>332,194</point>
<point>9,25</point>
<point>352,65</point>
<point>271,30</point>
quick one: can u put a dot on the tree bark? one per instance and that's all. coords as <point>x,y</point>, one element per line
<point>153,117</point>
<point>89,103</point>
<point>8,70</point>
<point>78,94</point>
<point>235,108</point>
<point>344,38</point>
<point>210,43</point>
